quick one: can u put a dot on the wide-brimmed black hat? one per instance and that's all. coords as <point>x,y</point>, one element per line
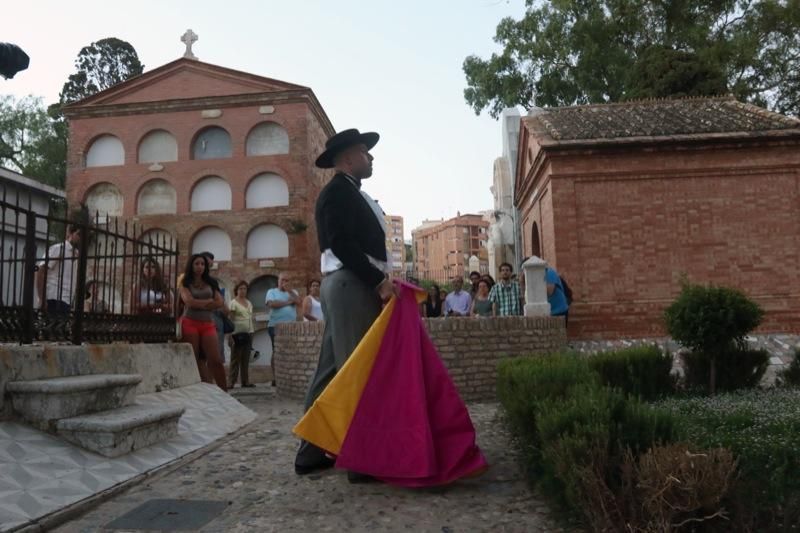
<point>343,140</point>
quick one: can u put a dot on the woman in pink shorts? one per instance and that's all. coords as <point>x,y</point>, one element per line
<point>201,296</point>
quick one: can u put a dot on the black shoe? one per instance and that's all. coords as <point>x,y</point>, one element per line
<point>249,385</point>
<point>302,470</point>
<point>355,478</point>
<point>273,382</point>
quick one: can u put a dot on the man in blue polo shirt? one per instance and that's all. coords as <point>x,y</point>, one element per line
<point>556,296</point>
<point>283,303</point>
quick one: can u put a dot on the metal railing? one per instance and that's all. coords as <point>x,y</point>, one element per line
<point>76,279</point>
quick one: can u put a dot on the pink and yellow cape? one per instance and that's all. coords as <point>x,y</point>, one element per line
<point>392,411</point>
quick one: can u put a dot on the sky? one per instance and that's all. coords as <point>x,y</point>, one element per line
<point>376,65</point>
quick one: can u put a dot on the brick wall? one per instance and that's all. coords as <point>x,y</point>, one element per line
<point>470,349</point>
<point>623,225</point>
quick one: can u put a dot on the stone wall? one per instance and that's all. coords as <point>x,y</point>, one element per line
<point>162,366</point>
<point>470,348</point>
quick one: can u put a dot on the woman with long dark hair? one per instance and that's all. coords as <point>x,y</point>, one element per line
<point>433,305</point>
<point>200,295</point>
<point>151,295</point>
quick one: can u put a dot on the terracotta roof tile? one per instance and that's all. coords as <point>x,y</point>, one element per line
<point>659,118</point>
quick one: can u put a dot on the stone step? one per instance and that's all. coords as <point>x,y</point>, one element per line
<point>119,431</point>
<point>42,402</point>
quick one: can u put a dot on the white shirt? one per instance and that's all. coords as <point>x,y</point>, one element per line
<point>330,263</point>
<point>316,309</point>
<point>61,272</point>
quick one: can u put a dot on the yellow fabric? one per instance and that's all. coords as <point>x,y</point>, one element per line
<point>325,423</point>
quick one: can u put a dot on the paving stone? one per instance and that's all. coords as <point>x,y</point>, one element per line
<point>270,497</point>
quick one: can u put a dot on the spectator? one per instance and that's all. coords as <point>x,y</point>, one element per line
<point>150,295</point>
<point>283,302</point>
<point>490,280</point>
<point>556,295</point>
<point>474,278</point>
<point>505,295</point>
<point>219,322</point>
<point>312,308</point>
<point>458,302</point>
<point>92,302</point>
<point>201,296</point>
<point>241,313</point>
<point>56,276</point>
<point>481,305</point>
<point>432,308</point>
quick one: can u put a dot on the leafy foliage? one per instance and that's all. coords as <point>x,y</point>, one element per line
<point>570,52</point>
<point>642,371</point>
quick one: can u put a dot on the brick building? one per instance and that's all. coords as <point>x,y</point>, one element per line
<point>219,159</point>
<point>444,249</point>
<point>395,243</point>
<point>624,199</point>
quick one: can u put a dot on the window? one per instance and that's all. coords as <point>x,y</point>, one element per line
<point>105,151</point>
<point>104,200</point>
<point>211,194</point>
<point>267,241</point>
<point>212,143</point>
<point>266,190</point>
<point>157,196</point>
<point>158,146</point>
<point>214,240</point>
<point>267,138</point>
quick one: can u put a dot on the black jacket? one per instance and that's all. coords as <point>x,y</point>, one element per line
<point>347,225</point>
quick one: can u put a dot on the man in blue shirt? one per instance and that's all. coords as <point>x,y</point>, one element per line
<point>283,303</point>
<point>458,302</point>
<point>556,296</point>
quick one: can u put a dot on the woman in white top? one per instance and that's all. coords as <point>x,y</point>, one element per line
<point>241,313</point>
<point>150,295</point>
<point>312,308</point>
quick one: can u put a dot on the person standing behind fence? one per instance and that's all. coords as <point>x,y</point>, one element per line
<point>505,295</point>
<point>150,295</point>
<point>56,275</point>
<point>283,301</point>
<point>458,302</point>
<point>312,307</point>
<point>201,296</point>
<point>474,279</point>
<point>241,313</point>
<point>433,304</point>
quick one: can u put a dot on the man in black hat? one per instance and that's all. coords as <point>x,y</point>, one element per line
<point>352,239</point>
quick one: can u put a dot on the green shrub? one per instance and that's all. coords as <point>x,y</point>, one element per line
<point>642,371</point>
<point>762,429</point>
<point>584,440</point>
<point>790,376</point>
<point>713,321</point>
<point>524,382</point>
<point>742,369</point>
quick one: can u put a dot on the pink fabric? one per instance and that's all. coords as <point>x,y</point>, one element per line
<point>411,427</point>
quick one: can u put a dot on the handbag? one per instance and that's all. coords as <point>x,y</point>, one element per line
<point>227,324</point>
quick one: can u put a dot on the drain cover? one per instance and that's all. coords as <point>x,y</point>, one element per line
<point>170,515</point>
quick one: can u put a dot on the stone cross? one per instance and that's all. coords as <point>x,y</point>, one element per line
<point>189,38</point>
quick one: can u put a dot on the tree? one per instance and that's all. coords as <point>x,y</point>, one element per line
<point>101,65</point>
<point>567,52</point>
<point>29,141</point>
<point>712,322</point>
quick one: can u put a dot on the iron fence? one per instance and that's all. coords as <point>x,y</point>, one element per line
<point>78,279</point>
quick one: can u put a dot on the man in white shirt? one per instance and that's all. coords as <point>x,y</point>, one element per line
<point>57,274</point>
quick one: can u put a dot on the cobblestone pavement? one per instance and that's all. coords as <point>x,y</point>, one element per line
<point>253,473</point>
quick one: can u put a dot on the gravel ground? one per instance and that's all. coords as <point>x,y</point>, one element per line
<point>253,474</point>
